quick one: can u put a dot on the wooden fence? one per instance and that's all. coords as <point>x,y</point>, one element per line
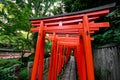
<point>46,67</point>
<point>67,73</point>
<point>107,62</point>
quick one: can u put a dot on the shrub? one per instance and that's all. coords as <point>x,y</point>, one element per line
<point>9,62</point>
<point>6,74</point>
<point>23,74</point>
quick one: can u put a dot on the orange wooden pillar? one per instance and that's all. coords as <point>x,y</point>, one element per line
<point>81,60</point>
<point>61,57</point>
<point>87,49</point>
<point>58,60</point>
<point>39,55</point>
<point>61,52</point>
<point>58,63</point>
<point>68,52</point>
<point>80,23</point>
<point>51,64</point>
<point>55,62</point>
<point>51,72</point>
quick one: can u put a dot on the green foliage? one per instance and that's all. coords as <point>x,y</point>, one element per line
<point>31,57</point>
<point>47,48</point>
<point>104,36</point>
<point>14,25</point>
<point>111,34</point>
<point>6,74</point>
<point>6,69</point>
<point>8,62</point>
<point>24,61</point>
<point>77,5</point>
<point>23,74</point>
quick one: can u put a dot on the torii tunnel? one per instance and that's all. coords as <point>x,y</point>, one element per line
<point>69,33</point>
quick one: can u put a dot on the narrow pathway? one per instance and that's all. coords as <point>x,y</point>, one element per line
<point>70,70</point>
<point>69,73</point>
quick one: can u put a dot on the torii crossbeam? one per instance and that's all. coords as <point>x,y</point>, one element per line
<point>68,32</point>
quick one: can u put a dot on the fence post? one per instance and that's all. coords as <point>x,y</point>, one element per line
<point>16,71</point>
<point>29,69</point>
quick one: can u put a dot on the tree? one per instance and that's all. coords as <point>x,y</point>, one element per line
<point>77,5</point>
<point>111,34</point>
<point>104,36</point>
<point>15,25</point>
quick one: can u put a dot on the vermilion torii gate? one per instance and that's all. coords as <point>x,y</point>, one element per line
<point>68,32</point>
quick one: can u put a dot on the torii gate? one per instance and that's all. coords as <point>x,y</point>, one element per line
<point>68,32</point>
